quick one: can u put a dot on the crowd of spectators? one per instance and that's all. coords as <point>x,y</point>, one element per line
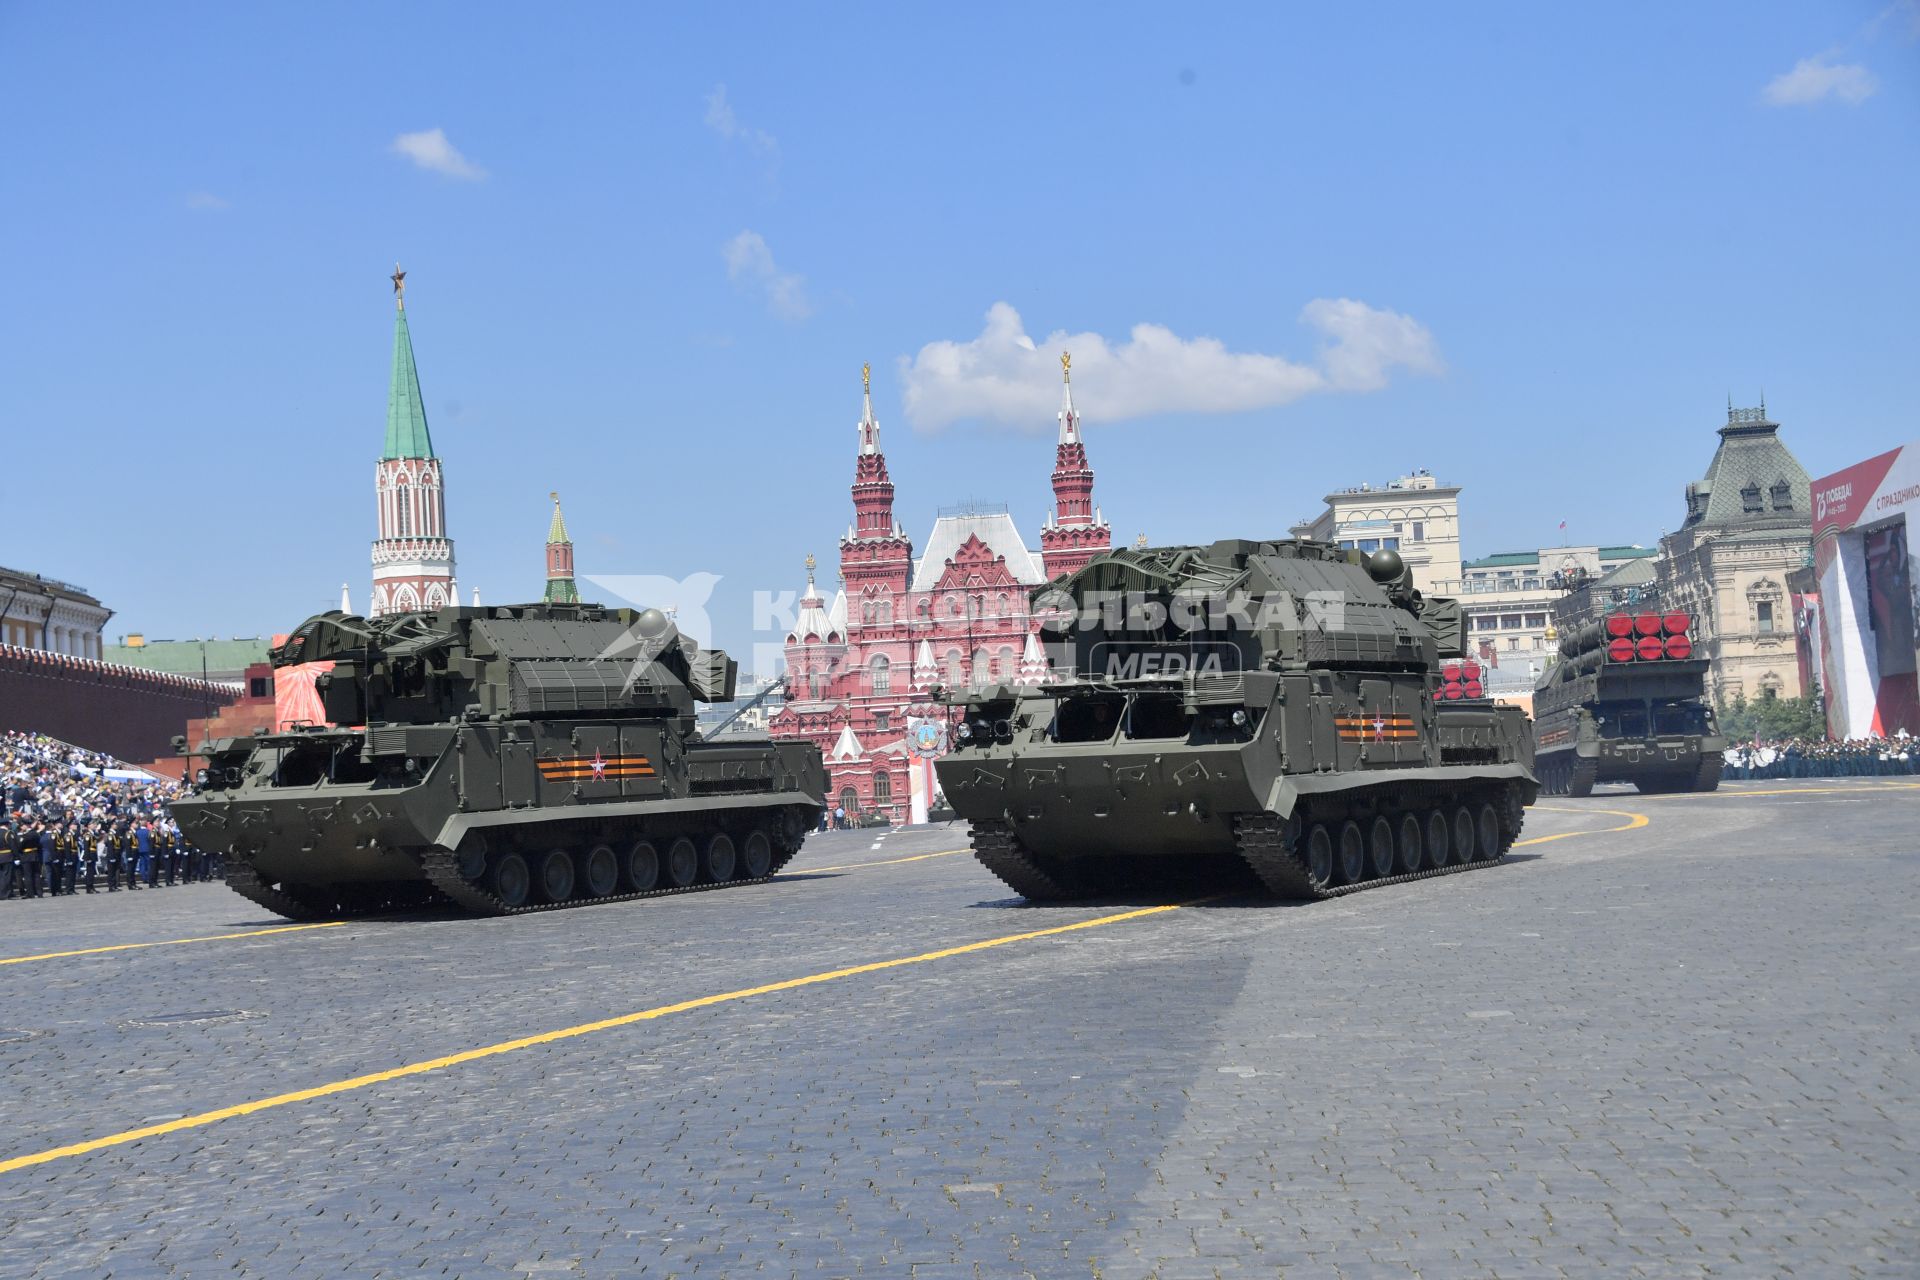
<point>1823,758</point>
<point>73,820</point>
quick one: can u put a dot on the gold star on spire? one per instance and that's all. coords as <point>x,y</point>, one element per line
<point>399,288</point>
<point>866,377</point>
<point>1066,366</point>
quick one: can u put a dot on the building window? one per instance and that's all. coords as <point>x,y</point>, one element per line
<point>882,788</point>
<point>883,610</point>
<point>1419,531</point>
<point>1763,617</point>
<point>1513,642</point>
<point>257,687</point>
<point>867,611</point>
<point>1750,499</point>
<point>880,674</point>
<point>1536,620</point>
<point>882,721</point>
<point>956,669</point>
<point>849,801</point>
<point>1782,496</point>
<point>1511,621</point>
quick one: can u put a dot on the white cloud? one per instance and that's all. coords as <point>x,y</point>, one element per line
<point>1817,78</point>
<point>1005,376</point>
<point>430,149</point>
<point>750,262</point>
<point>721,119</point>
<point>206,200</point>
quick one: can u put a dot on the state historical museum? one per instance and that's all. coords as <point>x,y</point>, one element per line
<point>860,669</point>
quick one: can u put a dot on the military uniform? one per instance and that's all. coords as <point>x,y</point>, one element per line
<point>30,862</point>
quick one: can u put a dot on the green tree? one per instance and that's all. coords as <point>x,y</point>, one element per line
<point>1770,716</point>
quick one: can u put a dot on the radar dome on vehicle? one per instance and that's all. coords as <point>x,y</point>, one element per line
<point>1385,566</point>
<point>652,624</point>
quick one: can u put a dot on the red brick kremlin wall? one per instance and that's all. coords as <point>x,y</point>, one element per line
<point>126,711</point>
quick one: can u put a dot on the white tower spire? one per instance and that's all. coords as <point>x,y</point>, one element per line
<point>1069,420</point>
<point>869,426</point>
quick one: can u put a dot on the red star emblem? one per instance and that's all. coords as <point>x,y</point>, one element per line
<point>599,767</point>
<point>1379,729</point>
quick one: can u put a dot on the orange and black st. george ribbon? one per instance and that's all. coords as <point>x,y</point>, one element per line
<point>1377,728</point>
<point>595,768</point>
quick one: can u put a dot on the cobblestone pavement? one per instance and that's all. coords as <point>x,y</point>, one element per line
<point>1682,1049</point>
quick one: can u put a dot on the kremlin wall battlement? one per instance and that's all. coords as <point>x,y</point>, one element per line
<point>128,712</point>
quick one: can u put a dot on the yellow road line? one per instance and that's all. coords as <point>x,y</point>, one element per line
<point>888,862</point>
<point>1789,791</point>
<point>171,942</point>
<point>1635,820</point>
<point>551,1037</point>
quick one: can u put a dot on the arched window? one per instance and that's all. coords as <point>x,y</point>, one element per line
<point>1006,604</point>
<point>883,610</point>
<point>880,674</point>
<point>849,801</point>
<point>813,687</point>
<point>956,668</point>
<point>924,609</point>
<point>1005,666</point>
<point>882,788</point>
<point>404,499</point>
<point>983,672</point>
<point>867,610</point>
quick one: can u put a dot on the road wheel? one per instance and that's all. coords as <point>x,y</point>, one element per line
<point>720,860</point>
<point>1465,836</point>
<point>512,882</point>
<point>683,863</point>
<point>556,875</point>
<point>1353,853</point>
<point>1380,848</point>
<point>1439,839</point>
<point>643,866</point>
<point>472,857</point>
<point>756,856</point>
<point>1489,832</point>
<point>1320,856</point>
<point>602,871</point>
<point>1410,849</point>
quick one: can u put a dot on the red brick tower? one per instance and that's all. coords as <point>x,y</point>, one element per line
<point>1076,533</point>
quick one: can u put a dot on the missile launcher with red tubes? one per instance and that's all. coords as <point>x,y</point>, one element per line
<point>1627,703</point>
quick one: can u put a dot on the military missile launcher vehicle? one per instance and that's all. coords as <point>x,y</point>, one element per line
<point>1275,704</point>
<point>1627,702</point>
<point>506,759</point>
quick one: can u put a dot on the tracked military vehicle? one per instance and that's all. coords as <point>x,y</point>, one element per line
<point>1284,705</point>
<point>507,759</point>
<point>1627,702</point>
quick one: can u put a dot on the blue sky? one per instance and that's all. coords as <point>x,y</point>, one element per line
<point>1531,249</point>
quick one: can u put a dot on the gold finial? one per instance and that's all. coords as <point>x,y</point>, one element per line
<point>809,564</point>
<point>866,377</point>
<point>1066,366</point>
<point>555,495</point>
<point>399,288</point>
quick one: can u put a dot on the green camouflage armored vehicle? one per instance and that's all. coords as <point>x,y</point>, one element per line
<point>1627,703</point>
<point>1286,705</point>
<point>511,759</point>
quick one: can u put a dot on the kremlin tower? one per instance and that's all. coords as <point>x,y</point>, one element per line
<point>560,588</point>
<point>412,557</point>
<point>1076,534</point>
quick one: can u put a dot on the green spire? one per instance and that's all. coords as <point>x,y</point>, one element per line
<point>406,416</point>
